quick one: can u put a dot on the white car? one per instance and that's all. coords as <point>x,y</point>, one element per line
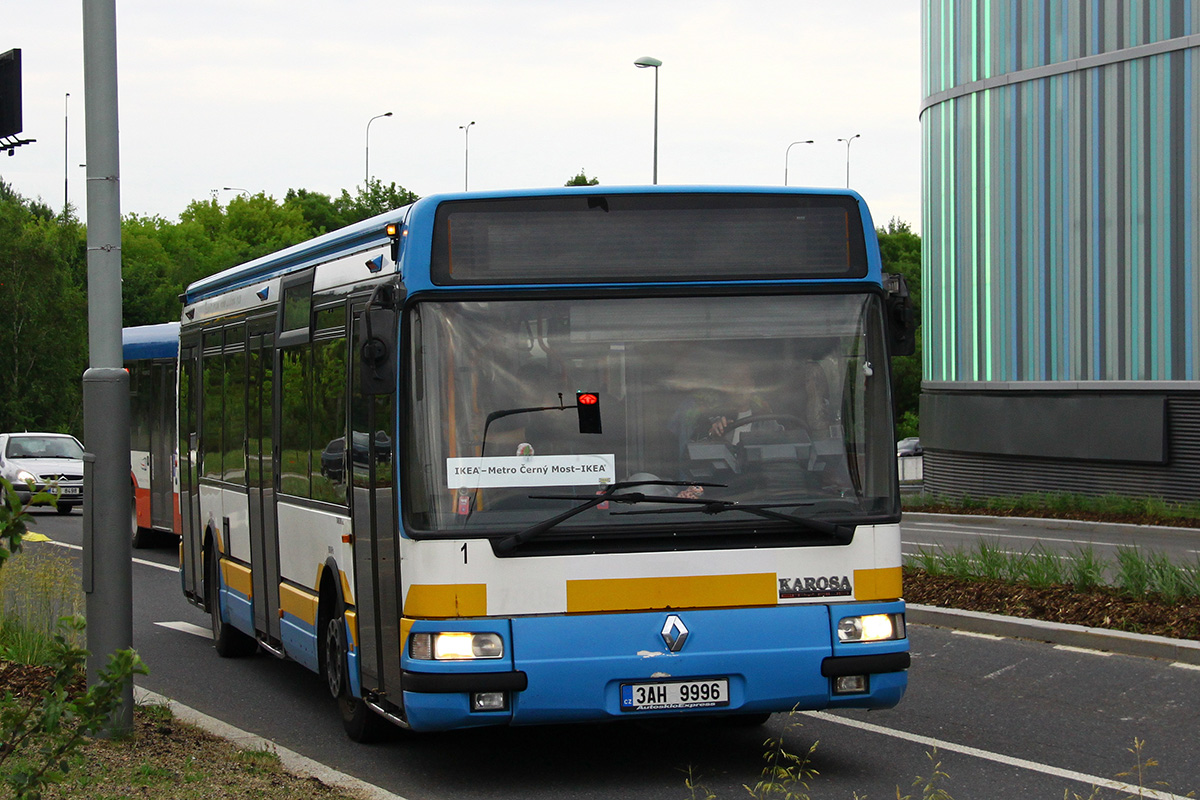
<point>51,462</point>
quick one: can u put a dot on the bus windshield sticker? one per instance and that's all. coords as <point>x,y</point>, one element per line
<point>494,472</point>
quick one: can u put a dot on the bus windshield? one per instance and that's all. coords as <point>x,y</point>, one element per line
<point>774,400</point>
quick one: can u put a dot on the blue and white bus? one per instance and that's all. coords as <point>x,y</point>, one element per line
<point>552,456</point>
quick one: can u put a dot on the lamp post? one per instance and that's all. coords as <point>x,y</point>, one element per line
<point>788,152</point>
<point>66,150</point>
<point>466,129</point>
<point>238,189</point>
<point>848,141</point>
<point>642,63</point>
<point>367,161</point>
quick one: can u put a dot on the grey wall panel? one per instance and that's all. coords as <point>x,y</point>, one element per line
<point>1100,427</point>
<point>959,474</point>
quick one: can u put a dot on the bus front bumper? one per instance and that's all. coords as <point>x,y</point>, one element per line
<point>586,668</point>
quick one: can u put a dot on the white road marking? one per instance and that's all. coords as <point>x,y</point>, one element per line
<point>999,758</point>
<point>1069,649</point>
<point>1182,665</point>
<point>187,627</point>
<point>1000,534</point>
<point>141,561</point>
<point>975,635</point>
<point>948,526</point>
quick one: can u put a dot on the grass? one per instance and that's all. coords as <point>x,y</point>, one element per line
<point>38,586</point>
<point>1136,573</point>
<point>1065,505</point>
<point>165,757</point>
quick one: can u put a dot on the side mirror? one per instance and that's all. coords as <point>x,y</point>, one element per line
<point>901,317</point>
<point>376,349</point>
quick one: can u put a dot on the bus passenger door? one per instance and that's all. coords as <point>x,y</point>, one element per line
<point>370,458</point>
<point>264,539</point>
<point>191,534</point>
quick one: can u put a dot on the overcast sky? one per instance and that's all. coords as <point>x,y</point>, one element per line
<point>267,95</point>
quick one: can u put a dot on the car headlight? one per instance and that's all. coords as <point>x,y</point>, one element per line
<point>455,646</point>
<point>25,476</point>
<point>871,628</point>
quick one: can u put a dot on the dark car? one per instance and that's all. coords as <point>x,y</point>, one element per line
<point>333,459</point>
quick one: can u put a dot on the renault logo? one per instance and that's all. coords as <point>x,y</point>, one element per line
<point>674,633</point>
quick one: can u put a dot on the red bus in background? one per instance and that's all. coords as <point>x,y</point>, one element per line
<point>151,354</point>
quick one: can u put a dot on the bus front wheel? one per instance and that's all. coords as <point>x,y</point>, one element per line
<point>361,723</point>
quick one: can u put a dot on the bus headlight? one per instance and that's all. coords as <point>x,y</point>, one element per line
<point>871,628</point>
<point>455,646</point>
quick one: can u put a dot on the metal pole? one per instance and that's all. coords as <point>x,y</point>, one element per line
<point>367,159</point>
<point>656,126</point>
<point>788,152</point>
<point>466,129</point>
<point>108,583</point>
<point>848,141</point>
<point>66,151</point>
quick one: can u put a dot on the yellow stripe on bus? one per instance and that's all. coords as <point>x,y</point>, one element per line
<point>237,577</point>
<point>446,600</point>
<point>298,603</point>
<point>693,591</point>
<point>877,584</point>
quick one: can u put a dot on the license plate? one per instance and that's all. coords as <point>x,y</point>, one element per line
<point>666,695</point>
<point>70,490</point>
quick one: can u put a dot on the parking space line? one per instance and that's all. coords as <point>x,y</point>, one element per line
<point>998,758</point>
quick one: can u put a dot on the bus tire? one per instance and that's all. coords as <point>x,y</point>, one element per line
<point>360,722</point>
<point>139,536</point>
<point>228,640</point>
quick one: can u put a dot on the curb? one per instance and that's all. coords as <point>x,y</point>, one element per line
<point>291,761</point>
<point>1184,651</point>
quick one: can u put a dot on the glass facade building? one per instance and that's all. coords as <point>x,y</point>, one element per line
<point>1061,247</point>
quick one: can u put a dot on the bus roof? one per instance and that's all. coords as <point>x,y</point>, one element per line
<point>371,232</point>
<point>150,341</point>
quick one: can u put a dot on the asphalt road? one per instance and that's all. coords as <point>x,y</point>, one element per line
<point>1008,718</point>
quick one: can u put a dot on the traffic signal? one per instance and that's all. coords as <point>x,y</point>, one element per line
<point>588,406</point>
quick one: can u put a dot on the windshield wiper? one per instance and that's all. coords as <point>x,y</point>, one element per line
<point>843,534</point>
<point>509,543</point>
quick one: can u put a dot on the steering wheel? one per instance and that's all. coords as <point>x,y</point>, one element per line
<point>786,420</point>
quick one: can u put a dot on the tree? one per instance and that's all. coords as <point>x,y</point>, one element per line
<point>373,199</point>
<point>900,250</point>
<point>43,316</point>
<point>582,180</point>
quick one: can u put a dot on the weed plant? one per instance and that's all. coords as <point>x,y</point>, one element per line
<point>37,589</point>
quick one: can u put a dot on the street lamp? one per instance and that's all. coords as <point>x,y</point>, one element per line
<point>66,150</point>
<point>466,129</point>
<point>642,63</point>
<point>367,164</point>
<point>238,189</point>
<point>786,153</point>
<point>848,141</point>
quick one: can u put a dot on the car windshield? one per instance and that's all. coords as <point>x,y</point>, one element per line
<point>43,447</point>
<point>776,399</point>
